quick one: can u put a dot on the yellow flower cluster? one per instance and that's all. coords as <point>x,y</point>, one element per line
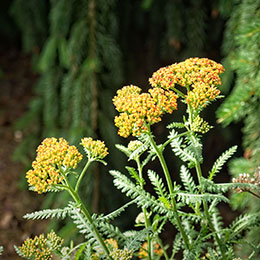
<point>201,94</point>
<point>38,248</point>
<point>188,72</point>
<point>143,250</point>
<point>139,109</point>
<point>121,254</point>
<point>201,74</point>
<point>94,149</point>
<point>52,155</point>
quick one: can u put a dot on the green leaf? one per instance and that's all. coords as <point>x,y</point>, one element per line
<point>221,161</point>
<point>187,180</point>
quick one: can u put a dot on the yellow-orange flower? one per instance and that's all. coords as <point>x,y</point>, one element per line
<point>201,94</point>
<point>94,149</point>
<point>137,110</point>
<point>187,73</point>
<point>143,250</point>
<point>52,156</point>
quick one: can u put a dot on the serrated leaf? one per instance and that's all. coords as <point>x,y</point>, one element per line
<point>187,180</point>
<point>221,161</point>
<point>123,149</point>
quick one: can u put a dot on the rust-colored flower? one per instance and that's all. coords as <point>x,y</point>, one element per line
<point>94,149</point>
<point>52,157</point>
<point>138,110</point>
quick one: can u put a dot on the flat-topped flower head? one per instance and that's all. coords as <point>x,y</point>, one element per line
<point>187,73</point>
<point>41,247</point>
<point>53,156</point>
<point>138,110</point>
<point>94,149</point>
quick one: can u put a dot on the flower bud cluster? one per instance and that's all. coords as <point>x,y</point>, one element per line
<point>94,149</point>
<point>200,126</point>
<point>52,155</point>
<point>134,145</point>
<point>39,247</point>
<point>121,254</point>
<point>137,110</point>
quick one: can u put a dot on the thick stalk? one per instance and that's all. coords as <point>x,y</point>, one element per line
<point>170,187</point>
<point>85,212</point>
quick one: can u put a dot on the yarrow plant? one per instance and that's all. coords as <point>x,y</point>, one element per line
<point>190,206</point>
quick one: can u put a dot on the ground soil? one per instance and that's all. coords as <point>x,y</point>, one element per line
<point>16,82</point>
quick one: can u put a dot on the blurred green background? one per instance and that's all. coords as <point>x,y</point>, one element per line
<point>61,62</point>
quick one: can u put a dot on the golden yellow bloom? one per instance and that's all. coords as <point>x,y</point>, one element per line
<point>201,94</point>
<point>94,149</point>
<point>143,250</point>
<point>187,73</point>
<point>137,110</point>
<point>52,156</point>
<point>39,247</point>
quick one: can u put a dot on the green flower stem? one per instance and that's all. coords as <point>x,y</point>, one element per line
<point>146,218</point>
<point>169,140</point>
<point>178,91</point>
<point>206,210</point>
<point>84,210</point>
<point>82,174</point>
<point>170,187</point>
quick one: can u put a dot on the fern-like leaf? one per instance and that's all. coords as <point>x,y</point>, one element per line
<point>135,238</point>
<point>157,183</point>
<point>117,212</point>
<point>49,213</point>
<point>143,198</point>
<point>194,198</point>
<point>183,153</point>
<point>176,125</point>
<point>221,161</point>
<point>187,180</point>
<point>123,149</point>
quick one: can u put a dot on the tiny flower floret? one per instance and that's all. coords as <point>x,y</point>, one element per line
<point>53,156</point>
<point>94,149</point>
<point>138,110</point>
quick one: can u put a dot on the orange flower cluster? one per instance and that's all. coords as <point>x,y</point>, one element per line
<point>139,109</point>
<point>94,149</point>
<point>38,248</point>
<point>52,155</point>
<point>201,74</point>
<point>188,72</point>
